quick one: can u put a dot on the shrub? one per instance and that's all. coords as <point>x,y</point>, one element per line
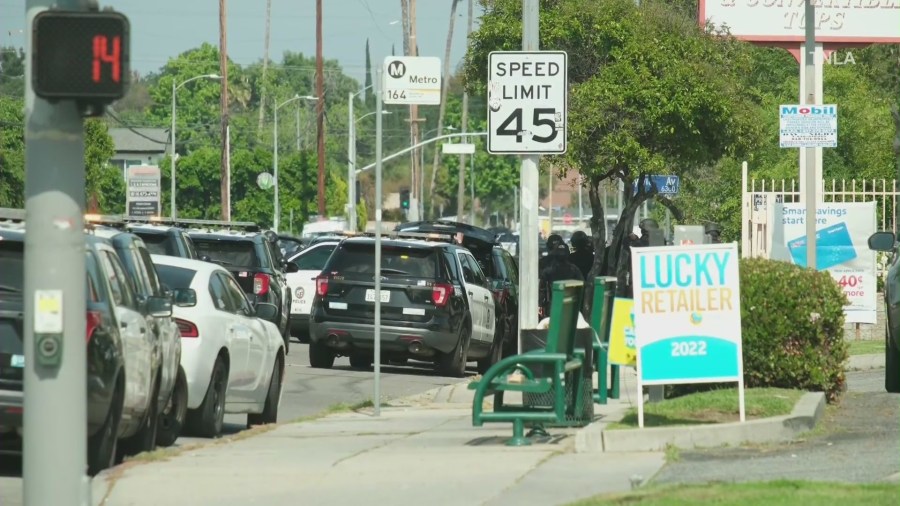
<point>792,330</point>
<point>792,327</point>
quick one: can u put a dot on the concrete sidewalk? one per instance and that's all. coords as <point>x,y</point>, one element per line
<point>422,448</point>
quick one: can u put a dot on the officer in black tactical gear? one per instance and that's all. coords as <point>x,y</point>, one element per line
<point>583,256</point>
<point>558,268</point>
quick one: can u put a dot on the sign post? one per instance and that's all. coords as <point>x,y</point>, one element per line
<point>687,317</point>
<point>76,63</point>
<point>414,80</point>
<point>527,115</point>
<point>144,190</point>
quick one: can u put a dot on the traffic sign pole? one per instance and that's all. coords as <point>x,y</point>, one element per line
<point>810,98</point>
<point>378,199</point>
<point>529,191</point>
<point>54,457</point>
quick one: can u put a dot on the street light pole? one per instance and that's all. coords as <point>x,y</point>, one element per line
<point>351,157</point>
<point>172,156</point>
<point>351,163</point>
<point>277,218</point>
<point>173,212</point>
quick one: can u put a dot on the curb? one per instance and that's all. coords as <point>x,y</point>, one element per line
<point>865,362</point>
<point>804,417</point>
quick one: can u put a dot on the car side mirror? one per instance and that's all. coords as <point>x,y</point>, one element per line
<point>159,307</point>
<point>266,311</point>
<point>882,241</point>
<point>290,267</point>
<point>185,297</point>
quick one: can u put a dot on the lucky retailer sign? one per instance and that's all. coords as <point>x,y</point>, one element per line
<point>687,316</point>
<point>528,95</point>
<point>842,234</point>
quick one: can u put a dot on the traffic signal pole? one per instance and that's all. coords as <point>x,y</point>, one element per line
<point>55,384</point>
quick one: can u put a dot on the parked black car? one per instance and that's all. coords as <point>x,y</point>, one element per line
<point>251,256</point>
<point>105,374</point>
<point>163,236</point>
<point>498,265</point>
<point>887,242</point>
<point>436,305</point>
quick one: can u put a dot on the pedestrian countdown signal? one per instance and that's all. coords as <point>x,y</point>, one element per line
<point>80,56</point>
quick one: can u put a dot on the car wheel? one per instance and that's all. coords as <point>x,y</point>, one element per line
<point>144,440</point>
<point>273,399</point>
<point>171,419</point>
<point>891,364</point>
<point>494,355</point>
<point>207,420</point>
<point>320,355</point>
<point>454,363</point>
<point>360,360</point>
<point>101,447</point>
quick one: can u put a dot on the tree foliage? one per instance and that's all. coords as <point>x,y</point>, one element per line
<point>650,93</point>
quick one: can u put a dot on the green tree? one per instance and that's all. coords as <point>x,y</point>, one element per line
<point>12,152</point>
<point>104,183</point>
<point>650,93</point>
<point>12,71</point>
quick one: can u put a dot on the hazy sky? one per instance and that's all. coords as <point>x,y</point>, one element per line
<point>162,29</point>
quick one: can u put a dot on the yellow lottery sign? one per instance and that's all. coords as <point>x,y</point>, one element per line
<point>622,348</point>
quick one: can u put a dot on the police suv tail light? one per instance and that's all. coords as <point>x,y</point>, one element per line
<point>440,294</point>
<point>94,320</point>
<point>261,284</point>
<point>322,285</point>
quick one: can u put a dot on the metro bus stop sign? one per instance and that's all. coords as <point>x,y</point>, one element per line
<point>80,56</point>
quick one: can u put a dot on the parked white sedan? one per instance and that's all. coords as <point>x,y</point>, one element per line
<point>231,352</point>
<point>302,283</point>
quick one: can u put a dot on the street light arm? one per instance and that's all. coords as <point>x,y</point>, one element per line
<point>423,143</point>
<point>215,77</point>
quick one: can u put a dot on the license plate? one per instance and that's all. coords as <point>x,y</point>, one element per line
<point>17,361</point>
<point>385,296</point>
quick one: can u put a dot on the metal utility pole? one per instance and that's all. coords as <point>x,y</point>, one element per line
<point>224,188</point>
<point>417,198</point>
<point>529,192</point>
<point>351,163</point>
<point>262,96</point>
<point>54,458</point>
<point>378,199</point>
<point>320,109</point>
<point>461,172</point>
<point>810,99</point>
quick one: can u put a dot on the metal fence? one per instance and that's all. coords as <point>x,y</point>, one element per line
<point>758,192</point>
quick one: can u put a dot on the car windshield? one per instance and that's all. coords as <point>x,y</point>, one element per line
<point>238,253</point>
<point>12,266</point>
<point>175,277</point>
<point>395,260</point>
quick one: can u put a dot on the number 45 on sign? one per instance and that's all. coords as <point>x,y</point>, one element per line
<point>527,102</point>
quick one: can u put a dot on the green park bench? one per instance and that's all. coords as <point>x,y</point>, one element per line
<point>560,360</point>
<point>601,321</point>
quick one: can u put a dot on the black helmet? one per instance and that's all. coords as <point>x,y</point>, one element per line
<point>553,240</point>
<point>648,224</point>
<point>560,251</point>
<point>580,240</point>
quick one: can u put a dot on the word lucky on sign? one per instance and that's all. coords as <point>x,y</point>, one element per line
<point>685,282</point>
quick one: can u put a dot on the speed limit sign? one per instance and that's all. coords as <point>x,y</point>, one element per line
<point>527,102</point>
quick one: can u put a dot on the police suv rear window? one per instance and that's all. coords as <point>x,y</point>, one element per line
<point>228,252</point>
<point>12,265</point>
<point>395,260</point>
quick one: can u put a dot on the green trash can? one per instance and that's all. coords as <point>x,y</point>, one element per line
<point>536,339</point>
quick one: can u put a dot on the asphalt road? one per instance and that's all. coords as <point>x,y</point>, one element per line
<point>307,392</point>
<point>858,441</point>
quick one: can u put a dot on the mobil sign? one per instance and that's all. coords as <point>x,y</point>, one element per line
<point>808,126</point>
